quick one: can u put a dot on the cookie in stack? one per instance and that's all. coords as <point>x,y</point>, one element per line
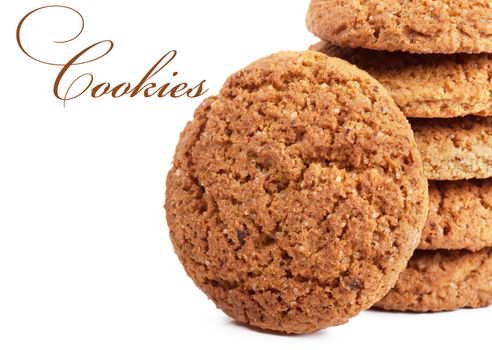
<point>435,61</point>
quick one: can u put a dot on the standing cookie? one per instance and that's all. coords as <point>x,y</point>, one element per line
<point>418,26</point>
<point>297,194</point>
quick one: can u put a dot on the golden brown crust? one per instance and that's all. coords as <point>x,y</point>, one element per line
<point>455,149</point>
<point>426,86</point>
<point>442,281</point>
<point>460,215</point>
<point>297,195</point>
<point>419,26</point>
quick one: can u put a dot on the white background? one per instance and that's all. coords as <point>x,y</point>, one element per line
<point>85,258</point>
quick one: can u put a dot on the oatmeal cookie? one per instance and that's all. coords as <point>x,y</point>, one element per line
<point>455,149</point>
<point>296,195</point>
<point>441,281</point>
<point>460,215</point>
<point>419,26</point>
<point>426,86</point>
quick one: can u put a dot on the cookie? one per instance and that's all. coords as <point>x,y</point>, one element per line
<point>426,86</point>
<point>443,280</point>
<point>456,148</point>
<point>413,26</point>
<point>296,195</point>
<point>460,215</point>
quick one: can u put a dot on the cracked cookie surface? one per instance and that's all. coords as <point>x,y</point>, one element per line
<point>442,281</point>
<point>419,26</point>
<point>460,215</point>
<point>456,148</point>
<point>426,86</point>
<point>297,194</point>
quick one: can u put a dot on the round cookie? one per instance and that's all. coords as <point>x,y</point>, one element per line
<point>455,149</point>
<point>426,86</point>
<point>418,26</point>
<point>297,194</point>
<point>443,280</point>
<point>460,215</point>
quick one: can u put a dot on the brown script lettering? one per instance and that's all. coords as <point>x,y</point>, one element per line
<point>146,86</point>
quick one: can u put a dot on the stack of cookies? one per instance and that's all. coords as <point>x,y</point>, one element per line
<point>435,61</point>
